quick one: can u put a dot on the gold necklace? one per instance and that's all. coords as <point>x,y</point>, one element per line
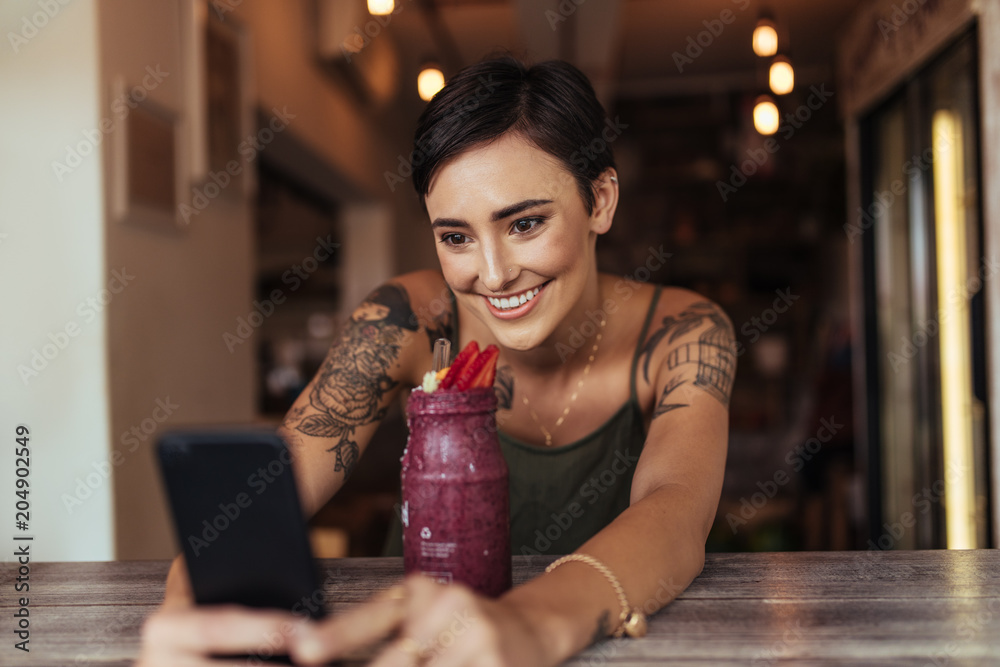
<point>572,399</point>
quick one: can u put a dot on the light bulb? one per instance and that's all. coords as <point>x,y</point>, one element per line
<point>765,38</point>
<point>429,81</point>
<point>381,7</point>
<point>781,76</point>
<point>765,115</point>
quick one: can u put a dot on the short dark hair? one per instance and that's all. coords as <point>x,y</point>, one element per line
<point>551,104</point>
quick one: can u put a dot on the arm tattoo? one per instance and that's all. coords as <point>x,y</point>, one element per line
<point>714,352</point>
<point>439,327</point>
<point>354,378</point>
<point>503,387</point>
<point>664,406</point>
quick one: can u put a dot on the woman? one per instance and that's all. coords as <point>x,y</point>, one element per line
<point>613,394</point>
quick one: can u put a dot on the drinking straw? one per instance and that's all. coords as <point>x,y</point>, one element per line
<point>442,352</point>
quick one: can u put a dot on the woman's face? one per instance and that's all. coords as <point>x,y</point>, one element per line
<point>514,238</point>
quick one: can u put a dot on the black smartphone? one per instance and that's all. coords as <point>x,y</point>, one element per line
<point>239,521</point>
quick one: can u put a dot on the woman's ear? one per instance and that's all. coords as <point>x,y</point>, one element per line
<point>605,202</point>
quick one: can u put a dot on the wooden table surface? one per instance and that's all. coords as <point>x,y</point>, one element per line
<point>930,608</point>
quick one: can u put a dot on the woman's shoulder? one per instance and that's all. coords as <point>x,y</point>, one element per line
<point>637,298</point>
<point>654,311</point>
<point>428,302</point>
<point>428,296</point>
<point>675,301</point>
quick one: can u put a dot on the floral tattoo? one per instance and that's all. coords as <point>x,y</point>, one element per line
<point>354,379</point>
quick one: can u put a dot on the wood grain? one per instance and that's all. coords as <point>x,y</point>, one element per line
<point>818,608</point>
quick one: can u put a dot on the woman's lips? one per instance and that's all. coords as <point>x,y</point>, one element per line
<point>526,301</point>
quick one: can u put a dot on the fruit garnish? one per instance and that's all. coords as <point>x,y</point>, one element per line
<point>468,353</point>
<point>441,373</point>
<point>484,379</point>
<point>472,369</point>
<point>430,382</point>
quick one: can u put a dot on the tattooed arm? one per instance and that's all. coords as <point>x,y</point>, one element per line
<point>656,547</point>
<point>384,347</point>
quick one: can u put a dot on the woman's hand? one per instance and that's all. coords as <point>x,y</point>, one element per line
<point>425,624</point>
<point>184,635</point>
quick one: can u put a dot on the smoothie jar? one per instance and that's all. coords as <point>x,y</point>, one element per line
<point>456,505</point>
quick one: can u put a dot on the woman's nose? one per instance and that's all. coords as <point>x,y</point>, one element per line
<point>495,273</point>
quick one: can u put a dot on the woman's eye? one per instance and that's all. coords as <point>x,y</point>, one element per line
<point>454,239</point>
<point>526,225</point>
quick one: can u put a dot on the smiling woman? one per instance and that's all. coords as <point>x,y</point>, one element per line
<point>613,394</point>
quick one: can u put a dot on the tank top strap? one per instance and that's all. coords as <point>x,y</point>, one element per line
<point>642,338</point>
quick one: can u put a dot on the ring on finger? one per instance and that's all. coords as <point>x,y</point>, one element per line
<point>412,648</point>
<point>394,593</point>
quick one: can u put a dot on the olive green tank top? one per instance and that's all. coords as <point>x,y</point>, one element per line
<point>561,497</point>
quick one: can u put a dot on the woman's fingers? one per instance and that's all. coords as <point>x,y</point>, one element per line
<point>348,632</point>
<point>445,628</point>
<point>219,630</point>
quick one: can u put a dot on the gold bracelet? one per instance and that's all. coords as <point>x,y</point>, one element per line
<point>631,622</point>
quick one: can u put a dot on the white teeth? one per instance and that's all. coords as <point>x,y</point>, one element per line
<point>514,301</point>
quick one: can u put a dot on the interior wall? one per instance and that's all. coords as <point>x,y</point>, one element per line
<point>53,373</point>
<point>329,120</point>
<point>168,363</point>
<point>288,75</point>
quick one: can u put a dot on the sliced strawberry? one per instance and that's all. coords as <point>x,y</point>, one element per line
<point>488,373</point>
<point>468,353</point>
<point>466,380</point>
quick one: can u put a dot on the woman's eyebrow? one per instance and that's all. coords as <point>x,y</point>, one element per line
<point>496,216</point>
<point>514,209</point>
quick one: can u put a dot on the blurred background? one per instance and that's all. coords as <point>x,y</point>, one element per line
<point>195,194</point>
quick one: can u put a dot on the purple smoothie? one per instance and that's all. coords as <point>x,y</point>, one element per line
<point>456,515</point>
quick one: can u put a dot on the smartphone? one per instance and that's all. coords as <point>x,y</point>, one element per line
<point>238,519</point>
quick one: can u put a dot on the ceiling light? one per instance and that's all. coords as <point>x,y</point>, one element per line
<point>429,81</point>
<point>380,7</point>
<point>765,37</point>
<point>765,115</point>
<point>781,76</point>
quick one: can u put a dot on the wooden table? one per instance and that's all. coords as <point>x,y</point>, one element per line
<point>815,608</point>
